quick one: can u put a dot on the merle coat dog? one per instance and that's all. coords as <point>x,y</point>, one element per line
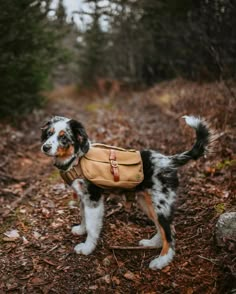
<point>66,141</point>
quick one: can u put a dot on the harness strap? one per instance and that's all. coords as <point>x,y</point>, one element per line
<point>114,165</point>
<point>74,173</point>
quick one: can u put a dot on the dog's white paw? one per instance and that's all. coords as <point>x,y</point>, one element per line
<point>84,248</point>
<point>155,241</point>
<point>162,261</point>
<point>78,230</point>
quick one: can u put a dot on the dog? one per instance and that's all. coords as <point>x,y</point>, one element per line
<point>66,141</point>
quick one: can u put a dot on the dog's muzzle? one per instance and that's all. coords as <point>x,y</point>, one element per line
<point>46,148</point>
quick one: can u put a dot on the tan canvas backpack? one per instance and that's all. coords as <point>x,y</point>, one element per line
<point>108,167</point>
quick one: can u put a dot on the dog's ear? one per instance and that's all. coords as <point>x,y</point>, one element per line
<point>80,136</point>
<point>44,130</point>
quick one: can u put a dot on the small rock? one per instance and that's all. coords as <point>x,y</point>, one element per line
<point>225,228</point>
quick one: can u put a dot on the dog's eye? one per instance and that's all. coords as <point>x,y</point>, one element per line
<point>64,139</point>
<point>50,133</point>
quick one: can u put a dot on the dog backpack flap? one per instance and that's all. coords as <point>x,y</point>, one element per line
<point>112,167</point>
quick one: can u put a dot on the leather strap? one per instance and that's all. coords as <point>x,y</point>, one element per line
<point>114,165</point>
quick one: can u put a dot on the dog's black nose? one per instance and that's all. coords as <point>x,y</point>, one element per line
<point>46,148</point>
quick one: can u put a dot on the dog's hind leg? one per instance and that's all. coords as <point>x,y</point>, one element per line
<point>145,202</point>
<point>163,204</point>
<point>167,252</point>
<point>164,236</point>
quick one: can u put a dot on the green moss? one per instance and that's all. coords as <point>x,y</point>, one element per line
<point>220,208</point>
<point>93,107</point>
<point>54,176</point>
<point>225,163</point>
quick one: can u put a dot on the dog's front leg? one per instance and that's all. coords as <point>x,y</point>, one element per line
<point>79,188</point>
<point>94,218</point>
<point>78,230</point>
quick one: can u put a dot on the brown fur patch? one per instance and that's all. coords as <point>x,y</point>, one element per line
<point>145,202</point>
<point>61,133</point>
<point>64,153</point>
<point>165,246</point>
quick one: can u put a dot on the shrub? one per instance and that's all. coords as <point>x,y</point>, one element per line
<point>27,52</point>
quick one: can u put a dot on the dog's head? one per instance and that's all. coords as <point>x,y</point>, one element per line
<point>64,139</point>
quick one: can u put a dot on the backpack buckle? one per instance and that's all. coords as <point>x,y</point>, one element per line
<point>114,163</point>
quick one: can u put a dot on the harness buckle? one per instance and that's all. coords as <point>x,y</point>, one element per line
<point>114,163</point>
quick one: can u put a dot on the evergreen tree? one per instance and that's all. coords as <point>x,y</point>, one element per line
<point>148,41</point>
<point>27,53</point>
<point>61,14</point>
<point>92,47</point>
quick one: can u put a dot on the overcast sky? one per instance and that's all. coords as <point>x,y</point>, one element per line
<point>76,5</point>
<point>71,6</point>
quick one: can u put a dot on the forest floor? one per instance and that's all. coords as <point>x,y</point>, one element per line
<point>36,214</point>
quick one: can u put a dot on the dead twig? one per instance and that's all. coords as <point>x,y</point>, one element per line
<point>18,200</point>
<point>132,247</point>
<point>214,261</point>
<point>53,248</point>
<point>113,211</point>
<point>115,258</point>
<point>3,163</point>
<point>142,262</point>
<point>193,237</point>
<point>33,146</point>
<point>7,177</point>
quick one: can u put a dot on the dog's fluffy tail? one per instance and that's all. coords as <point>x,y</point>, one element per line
<point>205,138</point>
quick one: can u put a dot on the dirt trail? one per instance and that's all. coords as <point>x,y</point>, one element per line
<point>35,202</point>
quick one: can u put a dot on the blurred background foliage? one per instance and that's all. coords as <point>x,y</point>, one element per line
<point>134,41</point>
<point>148,41</point>
<point>28,52</point>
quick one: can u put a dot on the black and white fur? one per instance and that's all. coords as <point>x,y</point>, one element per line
<point>156,194</point>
